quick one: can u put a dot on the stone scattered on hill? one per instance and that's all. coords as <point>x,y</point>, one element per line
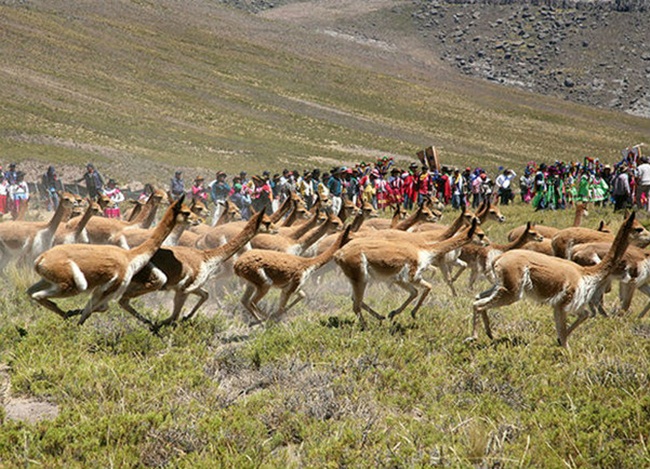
<point>594,52</point>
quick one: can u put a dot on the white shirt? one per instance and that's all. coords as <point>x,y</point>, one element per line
<point>643,173</point>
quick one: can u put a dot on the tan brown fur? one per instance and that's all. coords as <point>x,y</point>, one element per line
<point>263,270</point>
<point>185,271</point>
<point>426,238</point>
<point>25,240</point>
<point>422,214</point>
<point>581,211</point>
<point>220,235</point>
<point>563,284</point>
<point>401,263</point>
<point>298,246</point>
<point>486,212</point>
<point>69,233</point>
<point>479,259</point>
<point>105,271</point>
<point>137,236</point>
<point>568,238</point>
<point>543,247</point>
<point>108,230</point>
<point>632,271</point>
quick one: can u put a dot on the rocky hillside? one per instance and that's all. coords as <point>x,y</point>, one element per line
<point>595,53</point>
<point>592,52</point>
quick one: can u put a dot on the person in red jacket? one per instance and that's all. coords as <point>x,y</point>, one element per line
<point>411,186</point>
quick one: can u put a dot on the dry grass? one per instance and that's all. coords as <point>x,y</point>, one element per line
<point>141,88</point>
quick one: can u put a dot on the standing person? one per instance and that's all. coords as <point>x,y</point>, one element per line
<point>19,194</point>
<point>315,183</point>
<point>244,180</point>
<point>306,189</point>
<point>600,189</point>
<point>240,198</point>
<point>322,189</point>
<point>335,186</point>
<point>425,186</point>
<point>584,187</point>
<point>116,196</point>
<point>411,186</point>
<point>198,191</point>
<point>219,190</point>
<point>262,196</point>
<point>93,180</point>
<point>504,186</point>
<point>4,192</point>
<point>51,185</point>
<point>394,187</point>
<point>177,185</point>
<point>369,191</point>
<point>526,186</point>
<point>539,183</point>
<point>11,175</point>
<point>457,190</point>
<point>621,190</point>
<point>485,187</point>
<point>643,184</point>
<point>146,193</point>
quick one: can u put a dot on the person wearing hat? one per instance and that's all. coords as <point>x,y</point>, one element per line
<point>262,196</point>
<point>116,197</point>
<point>177,185</point>
<point>394,187</point>
<point>219,190</point>
<point>93,180</point>
<point>621,190</point>
<point>244,178</point>
<point>198,191</point>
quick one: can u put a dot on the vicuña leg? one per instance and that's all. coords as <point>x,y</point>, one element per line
<point>412,291</point>
<point>203,297</point>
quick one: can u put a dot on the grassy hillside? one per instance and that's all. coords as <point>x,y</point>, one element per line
<point>142,87</point>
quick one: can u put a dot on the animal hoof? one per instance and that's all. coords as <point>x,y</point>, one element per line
<point>392,314</point>
<point>73,312</point>
<point>469,340</point>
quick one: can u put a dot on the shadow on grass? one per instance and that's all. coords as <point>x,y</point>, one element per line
<point>397,328</point>
<point>335,322</point>
<point>496,344</point>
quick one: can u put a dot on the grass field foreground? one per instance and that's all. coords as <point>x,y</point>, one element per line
<point>315,391</point>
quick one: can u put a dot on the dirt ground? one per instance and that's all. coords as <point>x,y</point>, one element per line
<point>22,409</point>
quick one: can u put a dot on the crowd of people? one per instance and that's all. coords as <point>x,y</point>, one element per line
<point>383,183</point>
<point>624,185</point>
<point>15,191</point>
